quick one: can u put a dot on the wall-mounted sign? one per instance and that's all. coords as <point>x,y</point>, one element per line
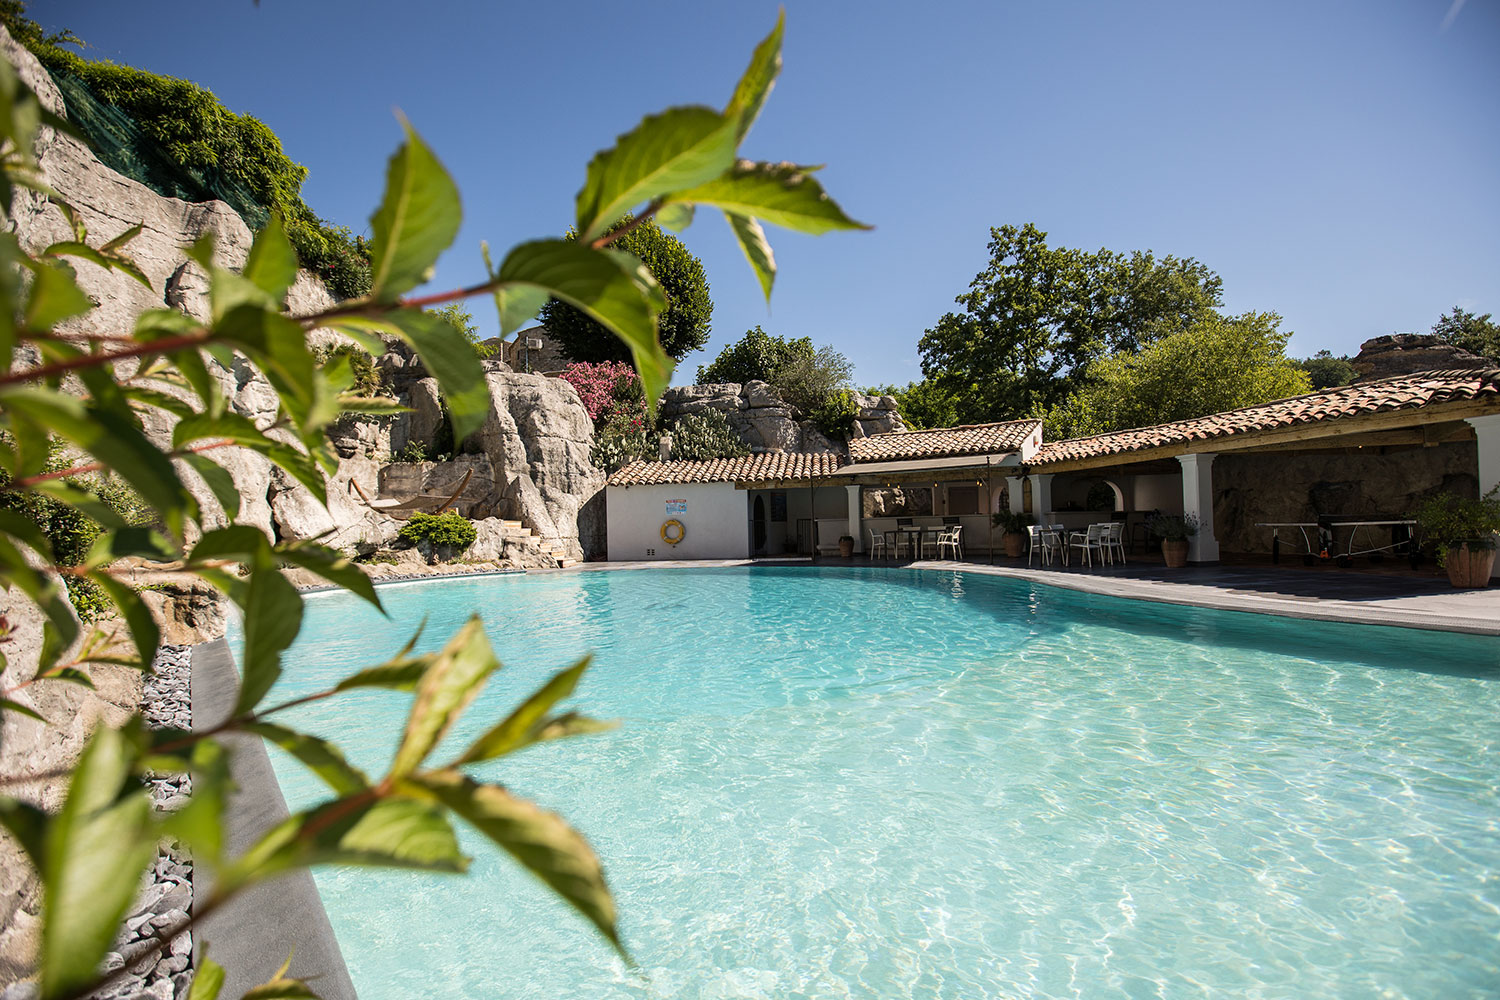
<point>676,507</point>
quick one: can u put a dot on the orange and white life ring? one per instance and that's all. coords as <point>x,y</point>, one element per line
<point>672,531</point>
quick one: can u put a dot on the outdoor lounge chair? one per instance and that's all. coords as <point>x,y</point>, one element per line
<point>422,503</point>
<point>877,543</point>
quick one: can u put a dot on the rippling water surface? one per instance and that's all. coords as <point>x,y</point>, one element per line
<point>890,783</point>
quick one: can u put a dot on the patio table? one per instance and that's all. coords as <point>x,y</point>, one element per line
<point>914,536</point>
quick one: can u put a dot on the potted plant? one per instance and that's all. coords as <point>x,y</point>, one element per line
<point>1013,525</point>
<point>1464,532</point>
<point>1174,530</point>
<point>846,546</point>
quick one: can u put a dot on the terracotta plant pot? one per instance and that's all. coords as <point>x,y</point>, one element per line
<point>846,546</point>
<point>1014,542</point>
<point>1469,567</point>
<point>1174,551</point>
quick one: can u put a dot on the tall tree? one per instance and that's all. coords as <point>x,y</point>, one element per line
<point>1219,363</point>
<point>1462,328</point>
<point>757,356</point>
<point>683,327</point>
<point>923,405</point>
<point>1326,370</point>
<point>1037,316</point>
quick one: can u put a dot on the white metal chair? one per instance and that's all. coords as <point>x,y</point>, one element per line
<point>877,543</point>
<point>1114,541</point>
<point>1035,544</point>
<point>1089,541</point>
<point>952,539</point>
<point>1049,540</point>
<point>931,541</point>
<point>1059,541</point>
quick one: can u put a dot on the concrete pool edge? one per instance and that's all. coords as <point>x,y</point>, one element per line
<point>1482,620</point>
<point>253,933</point>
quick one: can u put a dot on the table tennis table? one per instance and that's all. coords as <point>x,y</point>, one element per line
<point>1325,530</point>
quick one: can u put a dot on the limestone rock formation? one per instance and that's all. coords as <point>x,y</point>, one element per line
<point>1404,353</point>
<point>764,422</point>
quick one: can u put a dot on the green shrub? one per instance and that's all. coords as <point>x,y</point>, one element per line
<point>195,148</point>
<point>621,438</point>
<point>450,531</point>
<point>697,436</point>
<point>1449,521</point>
<point>1013,523</point>
<point>368,379</point>
<point>835,415</point>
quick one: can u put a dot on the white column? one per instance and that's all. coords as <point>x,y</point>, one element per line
<point>1041,495</point>
<point>856,514</point>
<point>1198,500</point>
<point>1016,492</point>
<point>1487,431</point>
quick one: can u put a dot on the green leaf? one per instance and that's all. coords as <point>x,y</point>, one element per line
<point>541,841</point>
<point>321,757</point>
<point>219,481</point>
<point>516,304</point>
<point>208,980</point>
<point>401,675</point>
<point>332,566</point>
<point>451,359</point>
<point>239,542</point>
<point>54,297</point>
<point>278,345</point>
<point>453,680</point>
<point>80,500</point>
<point>94,853</point>
<point>675,217</point>
<point>755,85</point>
<point>522,725</point>
<point>137,540</point>
<point>47,594</point>
<point>26,531</point>
<point>273,615</point>
<point>281,988</point>
<point>272,264</point>
<point>116,443</point>
<point>782,194</point>
<point>418,218</point>
<point>143,627</point>
<point>26,822</point>
<point>752,240</point>
<point>233,427</point>
<point>6,705</point>
<point>397,832</point>
<point>199,825</point>
<point>679,148</point>
<point>611,286</point>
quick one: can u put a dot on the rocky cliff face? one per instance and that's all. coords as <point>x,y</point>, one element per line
<point>764,422</point>
<point>1405,353</point>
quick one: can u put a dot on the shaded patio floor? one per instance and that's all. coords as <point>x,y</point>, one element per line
<point>1388,593</point>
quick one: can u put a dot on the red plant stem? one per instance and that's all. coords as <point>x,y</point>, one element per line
<point>80,470</point>
<point>94,360</point>
<point>609,238</point>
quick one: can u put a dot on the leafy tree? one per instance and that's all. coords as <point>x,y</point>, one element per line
<point>1220,363</point>
<point>755,357</point>
<point>1325,370</point>
<point>923,405</point>
<point>1462,328</point>
<point>1038,316</point>
<point>683,326</point>
<point>808,382</point>
<point>456,316</point>
<point>91,390</point>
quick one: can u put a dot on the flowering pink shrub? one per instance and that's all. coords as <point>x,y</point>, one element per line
<point>607,388</point>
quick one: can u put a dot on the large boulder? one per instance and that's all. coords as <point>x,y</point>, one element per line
<point>1405,353</point>
<point>537,436</point>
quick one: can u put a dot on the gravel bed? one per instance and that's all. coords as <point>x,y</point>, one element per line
<point>166,896</point>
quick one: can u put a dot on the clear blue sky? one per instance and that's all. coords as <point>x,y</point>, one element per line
<point>1336,162</point>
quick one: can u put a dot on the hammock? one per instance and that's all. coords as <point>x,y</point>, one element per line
<point>422,503</point>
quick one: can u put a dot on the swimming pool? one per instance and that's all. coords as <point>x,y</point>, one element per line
<point>891,782</point>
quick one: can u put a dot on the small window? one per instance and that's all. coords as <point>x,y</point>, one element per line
<point>963,499</point>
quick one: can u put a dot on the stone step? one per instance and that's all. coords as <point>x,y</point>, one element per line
<point>565,563</point>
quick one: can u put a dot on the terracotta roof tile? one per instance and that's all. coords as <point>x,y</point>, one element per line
<point>1395,393</point>
<point>944,442</point>
<point>772,467</point>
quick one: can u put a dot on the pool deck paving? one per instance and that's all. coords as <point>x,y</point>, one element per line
<point>1392,598</point>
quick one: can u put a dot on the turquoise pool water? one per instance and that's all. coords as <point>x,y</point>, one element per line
<point>891,783</point>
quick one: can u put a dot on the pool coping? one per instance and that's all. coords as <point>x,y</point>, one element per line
<point>257,929</point>
<point>1473,612</point>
